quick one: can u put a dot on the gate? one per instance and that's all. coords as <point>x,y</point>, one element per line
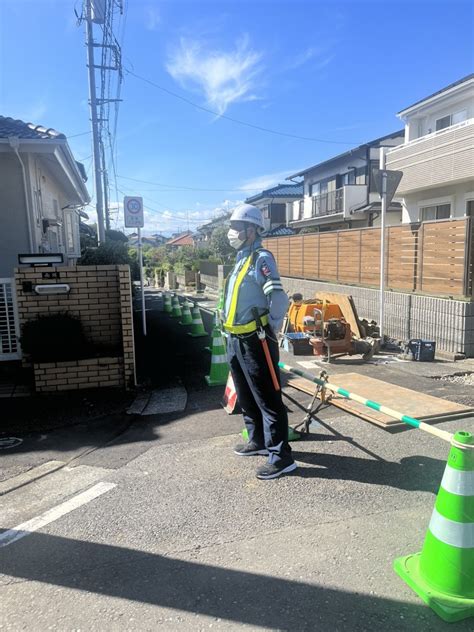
<point>9,333</point>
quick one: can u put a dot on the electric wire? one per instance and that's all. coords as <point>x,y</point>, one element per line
<point>235,120</point>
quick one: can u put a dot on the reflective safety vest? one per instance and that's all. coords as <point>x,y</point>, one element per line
<point>229,325</point>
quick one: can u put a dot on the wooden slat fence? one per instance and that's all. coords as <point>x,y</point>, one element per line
<point>432,257</point>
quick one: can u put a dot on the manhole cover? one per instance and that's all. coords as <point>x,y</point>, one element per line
<point>9,442</point>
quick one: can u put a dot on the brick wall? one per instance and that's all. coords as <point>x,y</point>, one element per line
<point>100,296</point>
<point>74,375</point>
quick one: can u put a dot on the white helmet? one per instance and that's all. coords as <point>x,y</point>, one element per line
<point>248,213</point>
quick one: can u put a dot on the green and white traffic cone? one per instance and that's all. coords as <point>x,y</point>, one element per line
<point>167,308</point>
<point>443,573</point>
<point>176,308</point>
<point>197,327</point>
<point>219,367</point>
<point>186,318</point>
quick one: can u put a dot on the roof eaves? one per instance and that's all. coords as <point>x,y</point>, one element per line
<point>459,82</point>
<point>350,152</point>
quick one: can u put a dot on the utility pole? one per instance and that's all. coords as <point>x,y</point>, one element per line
<point>106,187</point>
<point>94,122</point>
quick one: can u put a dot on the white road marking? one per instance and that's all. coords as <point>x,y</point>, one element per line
<point>30,526</point>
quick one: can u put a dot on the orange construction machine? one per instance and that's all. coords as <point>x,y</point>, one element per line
<point>301,315</point>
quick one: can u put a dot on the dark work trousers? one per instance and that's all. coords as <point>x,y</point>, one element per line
<point>264,413</point>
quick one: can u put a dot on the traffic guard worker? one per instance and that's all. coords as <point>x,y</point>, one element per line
<point>254,307</point>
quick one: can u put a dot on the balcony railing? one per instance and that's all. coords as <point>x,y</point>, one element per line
<point>328,203</point>
<point>439,159</point>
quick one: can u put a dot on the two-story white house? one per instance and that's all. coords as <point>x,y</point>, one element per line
<point>340,192</point>
<point>42,193</point>
<point>437,158</point>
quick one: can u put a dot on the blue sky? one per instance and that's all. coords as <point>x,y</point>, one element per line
<point>337,71</point>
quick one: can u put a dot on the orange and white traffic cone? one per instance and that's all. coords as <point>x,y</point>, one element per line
<point>229,401</point>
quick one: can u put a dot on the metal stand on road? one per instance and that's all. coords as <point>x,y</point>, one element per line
<point>311,410</point>
<point>386,183</point>
<point>142,288</point>
<point>134,218</point>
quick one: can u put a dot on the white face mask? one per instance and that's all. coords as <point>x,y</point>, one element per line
<point>234,238</point>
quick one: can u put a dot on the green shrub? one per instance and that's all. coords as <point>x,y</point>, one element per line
<point>111,253</point>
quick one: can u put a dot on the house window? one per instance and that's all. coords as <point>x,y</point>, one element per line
<point>374,164</point>
<point>349,178</point>
<point>443,123</point>
<point>440,211</point>
<point>361,175</point>
<point>315,189</point>
<point>469,208</point>
<point>53,240</point>
<point>451,119</point>
<point>71,234</point>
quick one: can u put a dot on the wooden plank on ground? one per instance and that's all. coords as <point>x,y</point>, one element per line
<point>418,405</point>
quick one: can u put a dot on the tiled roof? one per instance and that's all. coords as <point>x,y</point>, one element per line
<point>221,219</point>
<point>280,231</point>
<point>15,127</point>
<point>181,240</point>
<point>281,190</point>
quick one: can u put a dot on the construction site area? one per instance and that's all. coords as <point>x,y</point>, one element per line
<point>203,535</point>
<point>237,316</point>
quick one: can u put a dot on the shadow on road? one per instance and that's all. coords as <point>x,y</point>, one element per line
<point>412,473</point>
<point>243,597</point>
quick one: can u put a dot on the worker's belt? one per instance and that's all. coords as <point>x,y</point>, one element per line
<point>248,328</point>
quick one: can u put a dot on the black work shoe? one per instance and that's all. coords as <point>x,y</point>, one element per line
<point>250,449</point>
<point>274,470</point>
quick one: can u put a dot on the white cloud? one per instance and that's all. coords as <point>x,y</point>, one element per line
<point>320,53</point>
<point>324,62</point>
<point>260,183</point>
<point>303,57</point>
<point>224,77</point>
<point>152,18</point>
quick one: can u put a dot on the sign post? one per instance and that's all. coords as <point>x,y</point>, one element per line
<point>134,218</point>
<point>386,183</point>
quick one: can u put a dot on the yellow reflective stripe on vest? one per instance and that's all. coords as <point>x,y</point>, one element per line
<point>248,328</point>
<point>235,292</point>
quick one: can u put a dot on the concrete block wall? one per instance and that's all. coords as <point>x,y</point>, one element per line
<point>99,295</point>
<point>450,323</point>
<point>210,281</point>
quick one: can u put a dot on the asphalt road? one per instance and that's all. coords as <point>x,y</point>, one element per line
<point>164,527</point>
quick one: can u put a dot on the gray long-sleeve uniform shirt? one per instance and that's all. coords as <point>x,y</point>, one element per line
<point>261,288</point>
